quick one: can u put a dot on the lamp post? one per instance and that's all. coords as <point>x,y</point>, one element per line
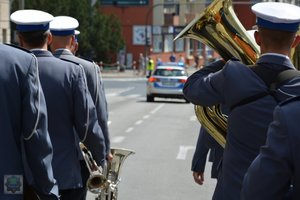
<point>147,40</point>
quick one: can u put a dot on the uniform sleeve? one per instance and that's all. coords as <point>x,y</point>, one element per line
<point>36,141</point>
<point>205,87</point>
<point>86,122</point>
<point>200,155</point>
<point>268,177</point>
<point>102,111</point>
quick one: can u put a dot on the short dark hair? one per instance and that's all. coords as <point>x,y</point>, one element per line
<point>277,38</point>
<point>35,38</point>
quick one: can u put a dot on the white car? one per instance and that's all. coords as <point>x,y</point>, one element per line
<point>167,81</point>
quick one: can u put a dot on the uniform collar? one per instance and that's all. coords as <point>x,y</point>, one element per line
<point>41,53</point>
<point>273,59</point>
<point>62,51</point>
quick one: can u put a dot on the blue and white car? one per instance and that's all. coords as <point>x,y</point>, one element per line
<point>166,81</point>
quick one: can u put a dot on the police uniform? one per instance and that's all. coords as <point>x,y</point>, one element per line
<point>206,143</point>
<point>277,165</point>
<point>25,143</point>
<point>247,123</point>
<point>70,109</point>
<point>65,26</point>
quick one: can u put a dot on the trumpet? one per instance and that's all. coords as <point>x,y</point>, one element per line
<point>96,181</point>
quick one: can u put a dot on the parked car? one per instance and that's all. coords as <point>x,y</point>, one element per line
<point>167,81</point>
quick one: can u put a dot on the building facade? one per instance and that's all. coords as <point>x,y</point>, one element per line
<point>150,28</point>
<point>4,21</point>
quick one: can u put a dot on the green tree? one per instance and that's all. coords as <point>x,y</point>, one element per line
<point>100,36</point>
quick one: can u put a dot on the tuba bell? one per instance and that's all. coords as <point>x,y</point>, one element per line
<point>219,28</point>
<point>112,172</point>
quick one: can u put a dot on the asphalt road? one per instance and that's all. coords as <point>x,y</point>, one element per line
<point>163,135</point>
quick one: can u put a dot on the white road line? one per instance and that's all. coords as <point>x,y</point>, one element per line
<point>138,122</point>
<point>183,150</point>
<point>128,130</point>
<point>157,108</point>
<point>119,92</point>
<point>117,139</point>
<point>146,116</point>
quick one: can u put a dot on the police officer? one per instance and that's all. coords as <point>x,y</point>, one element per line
<point>71,112</point>
<point>246,92</point>
<point>277,165</point>
<point>26,149</point>
<point>62,45</point>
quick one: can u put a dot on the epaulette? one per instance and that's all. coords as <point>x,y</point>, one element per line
<point>18,47</point>
<point>289,100</point>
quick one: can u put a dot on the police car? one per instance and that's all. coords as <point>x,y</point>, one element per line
<point>167,81</point>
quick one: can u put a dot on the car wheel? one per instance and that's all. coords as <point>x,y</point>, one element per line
<point>150,98</point>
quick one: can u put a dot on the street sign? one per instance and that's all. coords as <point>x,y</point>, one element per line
<point>125,2</point>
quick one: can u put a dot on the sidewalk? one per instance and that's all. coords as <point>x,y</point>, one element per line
<point>130,73</point>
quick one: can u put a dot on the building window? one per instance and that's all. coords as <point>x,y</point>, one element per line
<point>157,43</point>
<point>168,43</point>
<point>179,45</point>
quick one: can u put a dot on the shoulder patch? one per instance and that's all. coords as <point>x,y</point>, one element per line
<point>289,100</point>
<point>18,47</point>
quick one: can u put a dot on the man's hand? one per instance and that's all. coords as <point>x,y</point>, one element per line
<point>198,177</point>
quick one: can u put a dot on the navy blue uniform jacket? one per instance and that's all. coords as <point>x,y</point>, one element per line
<point>247,124</point>
<point>24,139</point>
<point>278,164</point>
<point>96,89</point>
<point>206,143</point>
<point>70,112</point>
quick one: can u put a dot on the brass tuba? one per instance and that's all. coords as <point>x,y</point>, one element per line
<point>219,28</point>
<point>112,172</point>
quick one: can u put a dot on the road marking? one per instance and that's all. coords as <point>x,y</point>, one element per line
<point>117,139</point>
<point>128,130</point>
<point>183,150</point>
<point>119,92</point>
<point>138,122</point>
<point>146,116</point>
<point>157,108</point>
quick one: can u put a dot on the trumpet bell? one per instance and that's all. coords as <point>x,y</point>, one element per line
<point>96,182</point>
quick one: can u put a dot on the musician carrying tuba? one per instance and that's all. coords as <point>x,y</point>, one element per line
<point>249,90</point>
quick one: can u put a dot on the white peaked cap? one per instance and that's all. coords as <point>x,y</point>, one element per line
<point>63,25</point>
<point>278,16</point>
<point>31,20</point>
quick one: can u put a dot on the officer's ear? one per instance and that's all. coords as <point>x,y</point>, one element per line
<point>49,39</point>
<point>257,38</point>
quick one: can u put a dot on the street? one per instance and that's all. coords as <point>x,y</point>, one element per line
<point>163,135</point>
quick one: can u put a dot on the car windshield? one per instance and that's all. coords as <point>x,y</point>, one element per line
<point>169,72</point>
